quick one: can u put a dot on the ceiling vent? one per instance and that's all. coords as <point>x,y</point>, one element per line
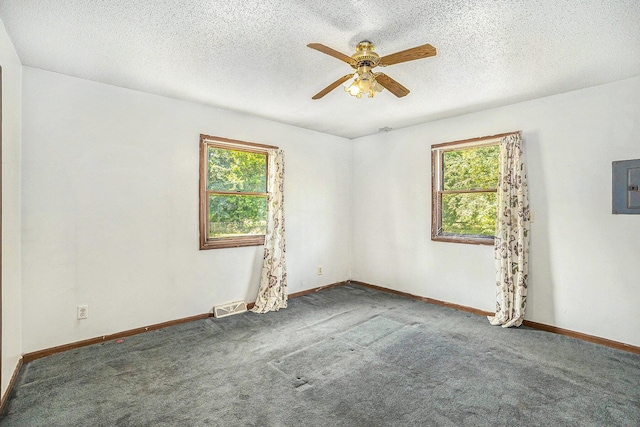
<point>228,309</point>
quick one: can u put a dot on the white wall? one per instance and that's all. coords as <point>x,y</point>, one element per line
<point>11,298</point>
<point>584,260</point>
<point>110,200</point>
<point>110,209</point>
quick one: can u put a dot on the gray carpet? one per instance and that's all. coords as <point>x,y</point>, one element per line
<point>347,356</point>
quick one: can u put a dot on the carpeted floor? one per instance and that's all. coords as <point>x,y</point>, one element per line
<point>347,356</point>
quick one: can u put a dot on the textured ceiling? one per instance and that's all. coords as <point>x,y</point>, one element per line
<point>251,56</point>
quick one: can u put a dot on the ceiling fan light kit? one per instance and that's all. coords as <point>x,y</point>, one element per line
<point>364,81</point>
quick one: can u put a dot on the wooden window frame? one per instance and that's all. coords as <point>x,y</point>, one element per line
<point>207,242</point>
<point>437,182</point>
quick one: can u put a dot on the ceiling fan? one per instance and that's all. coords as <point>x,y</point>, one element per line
<point>363,61</point>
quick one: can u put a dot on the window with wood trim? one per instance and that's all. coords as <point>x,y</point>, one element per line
<point>233,192</point>
<point>464,177</point>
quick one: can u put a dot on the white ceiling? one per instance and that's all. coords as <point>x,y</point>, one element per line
<point>251,56</point>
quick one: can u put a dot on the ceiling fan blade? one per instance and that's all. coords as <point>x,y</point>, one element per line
<point>391,85</point>
<point>419,52</point>
<point>332,86</point>
<point>331,52</point>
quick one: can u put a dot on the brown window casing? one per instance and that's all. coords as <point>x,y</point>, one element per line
<point>437,180</point>
<point>207,242</point>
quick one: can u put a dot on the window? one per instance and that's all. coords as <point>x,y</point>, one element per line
<point>233,193</point>
<point>464,176</point>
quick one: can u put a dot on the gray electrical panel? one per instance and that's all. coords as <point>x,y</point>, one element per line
<point>626,184</point>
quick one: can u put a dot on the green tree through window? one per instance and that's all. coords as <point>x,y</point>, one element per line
<point>237,192</point>
<point>233,193</point>
<point>464,202</point>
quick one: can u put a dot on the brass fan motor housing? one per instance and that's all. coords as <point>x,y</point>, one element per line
<point>365,56</point>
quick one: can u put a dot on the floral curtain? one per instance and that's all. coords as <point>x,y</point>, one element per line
<point>511,247</point>
<point>272,295</point>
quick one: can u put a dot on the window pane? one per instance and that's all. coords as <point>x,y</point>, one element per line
<point>233,170</point>
<point>235,215</point>
<point>469,213</point>
<point>471,169</point>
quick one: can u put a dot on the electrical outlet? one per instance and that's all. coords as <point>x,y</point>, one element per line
<point>83,312</point>
<point>319,270</point>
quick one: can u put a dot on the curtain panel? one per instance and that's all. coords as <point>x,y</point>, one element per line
<point>511,245</point>
<point>272,295</point>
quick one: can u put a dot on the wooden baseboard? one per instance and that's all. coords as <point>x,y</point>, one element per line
<point>425,299</point>
<point>12,382</point>
<point>584,337</point>
<point>28,357</point>
<point>318,289</point>
<point>307,292</point>
<point>535,325</point>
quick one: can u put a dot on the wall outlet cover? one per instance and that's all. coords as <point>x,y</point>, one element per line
<point>83,312</point>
